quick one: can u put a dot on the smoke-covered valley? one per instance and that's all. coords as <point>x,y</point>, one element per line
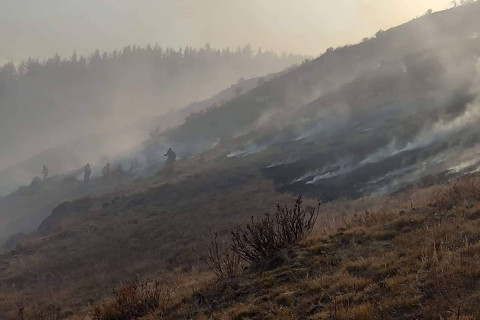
<point>98,107</point>
<point>396,112</point>
<point>357,120</point>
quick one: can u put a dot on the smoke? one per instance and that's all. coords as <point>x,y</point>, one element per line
<point>288,160</point>
<point>441,131</point>
<point>250,149</point>
<point>66,112</point>
<point>326,122</point>
<point>366,118</point>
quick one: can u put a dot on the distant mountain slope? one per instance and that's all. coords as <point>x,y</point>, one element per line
<point>112,145</point>
<point>24,209</point>
<point>395,111</point>
<point>50,103</point>
<point>415,45</point>
<point>363,118</point>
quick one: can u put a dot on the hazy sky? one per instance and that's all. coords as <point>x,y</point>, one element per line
<point>41,28</point>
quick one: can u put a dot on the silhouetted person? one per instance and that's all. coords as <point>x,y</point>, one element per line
<point>171,156</point>
<point>45,172</point>
<point>87,170</point>
<point>106,171</point>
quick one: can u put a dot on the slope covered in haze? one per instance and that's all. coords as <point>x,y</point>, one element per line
<point>366,119</point>
<point>116,144</point>
<point>58,101</point>
<point>23,210</point>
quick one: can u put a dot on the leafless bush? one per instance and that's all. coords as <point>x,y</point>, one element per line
<point>134,301</point>
<point>260,242</point>
<point>224,262</point>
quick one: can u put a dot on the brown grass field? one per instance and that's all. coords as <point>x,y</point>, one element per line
<point>412,255</point>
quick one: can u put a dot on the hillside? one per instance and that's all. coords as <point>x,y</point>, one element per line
<point>23,210</point>
<point>360,119</point>
<point>158,230</point>
<point>118,143</point>
<point>412,256</point>
<point>59,101</point>
<point>379,131</point>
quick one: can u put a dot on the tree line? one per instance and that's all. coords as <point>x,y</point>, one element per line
<point>58,97</point>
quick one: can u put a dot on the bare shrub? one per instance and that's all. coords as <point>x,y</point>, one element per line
<point>224,262</point>
<point>134,301</point>
<point>295,223</point>
<point>260,242</point>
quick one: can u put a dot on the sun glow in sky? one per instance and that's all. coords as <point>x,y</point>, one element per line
<point>33,28</point>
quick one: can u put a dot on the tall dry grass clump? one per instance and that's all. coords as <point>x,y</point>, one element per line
<point>466,189</point>
<point>224,262</point>
<point>134,301</point>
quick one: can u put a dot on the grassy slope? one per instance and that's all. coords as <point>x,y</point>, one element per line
<point>131,232</point>
<point>16,212</point>
<point>371,100</point>
<point>84,249</point>
<point>333,70</point>
<point>417,259</point>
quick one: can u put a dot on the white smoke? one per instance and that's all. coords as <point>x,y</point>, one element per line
<point>249,150</point>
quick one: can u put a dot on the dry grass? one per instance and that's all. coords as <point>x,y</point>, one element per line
<point>413,255</point>
<point>222,261</point>
<point>137,234</point>
<point>135,301</point>
<point>413,260</point>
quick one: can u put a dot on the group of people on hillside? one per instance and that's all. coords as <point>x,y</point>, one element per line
<point>117,173</point>
<point>87,171</point>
